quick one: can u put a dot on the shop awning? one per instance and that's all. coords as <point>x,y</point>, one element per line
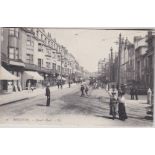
<point>33,75</point>
<point>6,75</point>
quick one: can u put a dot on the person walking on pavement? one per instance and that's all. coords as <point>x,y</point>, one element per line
<point>136,93</point>
<point>48,95</point>
<point>132,93</point>
<point>121,107</point>
<point>82,90</point>
<point>86,89</point>
<point>61,84</point>
<point>113,102</point>
<point>58,84</point>
<point>69,84</point>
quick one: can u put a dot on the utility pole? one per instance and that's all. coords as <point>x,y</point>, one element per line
<point>111,65</point>
<point>61,68</point>
<point>119,59</point>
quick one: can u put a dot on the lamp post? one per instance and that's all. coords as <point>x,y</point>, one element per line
<point>111,65</point>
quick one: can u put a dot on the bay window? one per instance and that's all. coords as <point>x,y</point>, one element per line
<point>13,53</point>
<point>14,32</point>
<point>30,41</point>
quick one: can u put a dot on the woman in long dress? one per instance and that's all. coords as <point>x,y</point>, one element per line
<point>121,107</point>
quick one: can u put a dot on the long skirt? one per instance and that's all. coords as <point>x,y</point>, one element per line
<point>122,111</point>
<point>48,101</point>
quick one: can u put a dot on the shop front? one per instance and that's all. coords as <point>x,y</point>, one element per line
<point>8,80</point>
<point>32,78</point>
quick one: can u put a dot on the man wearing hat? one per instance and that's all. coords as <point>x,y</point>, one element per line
<point>82,90</point>
<point>48,95</point>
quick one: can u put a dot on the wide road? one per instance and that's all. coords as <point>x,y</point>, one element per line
<point>68,109</point>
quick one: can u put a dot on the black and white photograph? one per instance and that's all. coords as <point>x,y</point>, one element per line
<point>76,77</point>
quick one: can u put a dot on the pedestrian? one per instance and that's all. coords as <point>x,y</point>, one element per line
<point>69,84</point>
<point>132,93</point>
<point>58,84</point>
<point>113,104</point>
<point>29,87</point>
<point>61,84</point>
<point>121,107</point>
<point>86,89</point>
<point>82,90</point>
<point>48,95</point>
<point>136,93</point>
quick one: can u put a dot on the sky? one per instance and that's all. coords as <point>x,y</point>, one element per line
<point>90,45</point>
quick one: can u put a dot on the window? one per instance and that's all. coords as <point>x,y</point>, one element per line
<point>59,58</point>
<point>37,33</point>
<point>14,32</point>
<point>48,64</point>
<point>54,67</point>
<point>30,41</point>
<point>53,55</point>
<point>29,58</point>
<point>39,63</point>
<point>17,32</point>
<point>16,54</point>
<point>40,47</point>
<point>13,53</point>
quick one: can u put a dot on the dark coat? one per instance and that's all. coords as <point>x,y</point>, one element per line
<point>82,88</point>
<point>135,91</point>
<point>131,91</point>
<point>47,91</point>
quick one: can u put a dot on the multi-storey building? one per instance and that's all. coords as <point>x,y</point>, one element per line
<point>127,63</point>
<point>140,60</point>
<point>34,56</point>
<point>149,63</point>
<point>101,66</point>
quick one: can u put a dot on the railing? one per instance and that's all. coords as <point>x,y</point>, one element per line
<point>37,68</point>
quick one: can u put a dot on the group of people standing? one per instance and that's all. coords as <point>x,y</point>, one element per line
<point>84,90</point>
<point>134,93</point>
<point>59,84</point>
<point>117,104</point>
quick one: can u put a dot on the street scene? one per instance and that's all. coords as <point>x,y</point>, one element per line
<point>76,77</point>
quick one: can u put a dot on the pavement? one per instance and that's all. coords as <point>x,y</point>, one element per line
<point>141,98</point>
<point>8,98</point>
<point>140,104</point>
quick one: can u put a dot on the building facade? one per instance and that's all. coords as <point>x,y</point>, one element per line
<point>150,60</point>
<point>34,56</point>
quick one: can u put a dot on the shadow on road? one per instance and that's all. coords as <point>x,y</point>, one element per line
<point>108,117</point>
<point>41,105</point>
<point>140,118</point>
